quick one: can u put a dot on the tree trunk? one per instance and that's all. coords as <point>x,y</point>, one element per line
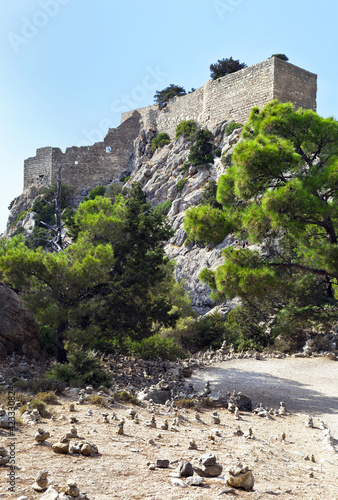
<point>58,235</point>
<point>62,353</point>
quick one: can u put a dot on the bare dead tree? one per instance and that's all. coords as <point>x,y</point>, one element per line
<point>56,242</point>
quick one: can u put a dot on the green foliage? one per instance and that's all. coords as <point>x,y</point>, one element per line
<point>11,204</point>
<point>156,347</point>
<point>111,284</point>
<point>225,67</point>
<point>281,191</point>
<point>163,208</point>
<point>226,159</point>
<point>159,141</point>
<point>181,183</point>
<point>232,126</point>
<point>97,191</point>
<point>281,56</point>
<point>162,97</point>
<point>205,224</point>
<point>113,190</point>
<point>96,400</point>
<point>197,334</point>
<point>128,304</point>
<point>48,397</point>
<point>38,405</point>
<point>124,180</point>
<point>44,213</point>
<point>81,369</point>
<point>200,152</point>
<point>126,397</point>
<point>186,128</point>
<point>218,152</point>
<point>21,216</point>
<point>209,195</point>
<point>48,340</point>
<point>185,403</point>
<point>40,385</point>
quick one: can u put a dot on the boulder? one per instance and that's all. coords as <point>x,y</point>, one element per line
<point>19,331</point>
<point>158,396</point>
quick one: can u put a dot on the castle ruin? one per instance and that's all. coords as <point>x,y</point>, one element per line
<point>229,98</point>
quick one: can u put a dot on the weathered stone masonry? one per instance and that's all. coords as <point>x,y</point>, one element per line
<point>87,165</point>
<point>233,96</point>
<point>229,98</point>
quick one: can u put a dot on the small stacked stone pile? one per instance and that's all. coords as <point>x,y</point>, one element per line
<point>41,481</point>
<point>240,477</point>
<point>4,418</point>
<point>209,466</point>
<point>4,456</point>
<point>2,381</point>
<point>30,416</point>
<point>41,435</point>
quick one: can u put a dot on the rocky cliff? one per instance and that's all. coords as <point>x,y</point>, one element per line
<point>158,174</point>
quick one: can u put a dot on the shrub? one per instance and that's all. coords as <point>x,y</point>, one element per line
<point>198,334</point>
<point>21,216</point>
<point>200,152</point>
<point>231,127</point>
<point>162,97</point>
<point>81,369</point>
<point>156,347</point>
<point>226,160</point>
<point>159,141</point>
<point>218,152</point>
<point>224,67</point>
<point>48,340</point>
<point>112,190</point>
<point>126,397</point>
<point>36,404</point>
<point>163,208</point>
<point>94,399</point>
<point>185,403</point>
<point>209,195</point>
<point>48,397</point>
<point>124,180</point>
<point>281,56</point>
<point>186,128</point>
<point>97,191</point>
<point>40,385</point>
<point>181,183</point>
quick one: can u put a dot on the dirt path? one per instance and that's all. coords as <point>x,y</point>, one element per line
<point>306,385</point>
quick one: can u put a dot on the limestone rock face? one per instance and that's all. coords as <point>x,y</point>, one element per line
<point>19,331</point>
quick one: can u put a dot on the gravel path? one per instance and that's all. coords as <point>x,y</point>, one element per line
<point>306,385</point>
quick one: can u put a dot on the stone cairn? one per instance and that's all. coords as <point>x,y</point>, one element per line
<point>4,418</point>
<point>41,435</point>
<point>41,481</point>
<point>209,466</point>
<point>4,456</point>
<point>240,477</point>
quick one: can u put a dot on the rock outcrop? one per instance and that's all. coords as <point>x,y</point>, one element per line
<point>19,331</point>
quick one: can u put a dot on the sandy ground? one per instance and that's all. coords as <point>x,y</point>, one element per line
<point>306,385</point>
<point>282,468</point>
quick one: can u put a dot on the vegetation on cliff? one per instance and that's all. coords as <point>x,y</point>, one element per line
<point>281,192</point>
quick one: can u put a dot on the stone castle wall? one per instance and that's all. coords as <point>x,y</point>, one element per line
<point>233,96</point>
<point>84,166</point>
<point>229,98</point>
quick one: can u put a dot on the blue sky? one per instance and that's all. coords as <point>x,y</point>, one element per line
<point>69,67</point>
